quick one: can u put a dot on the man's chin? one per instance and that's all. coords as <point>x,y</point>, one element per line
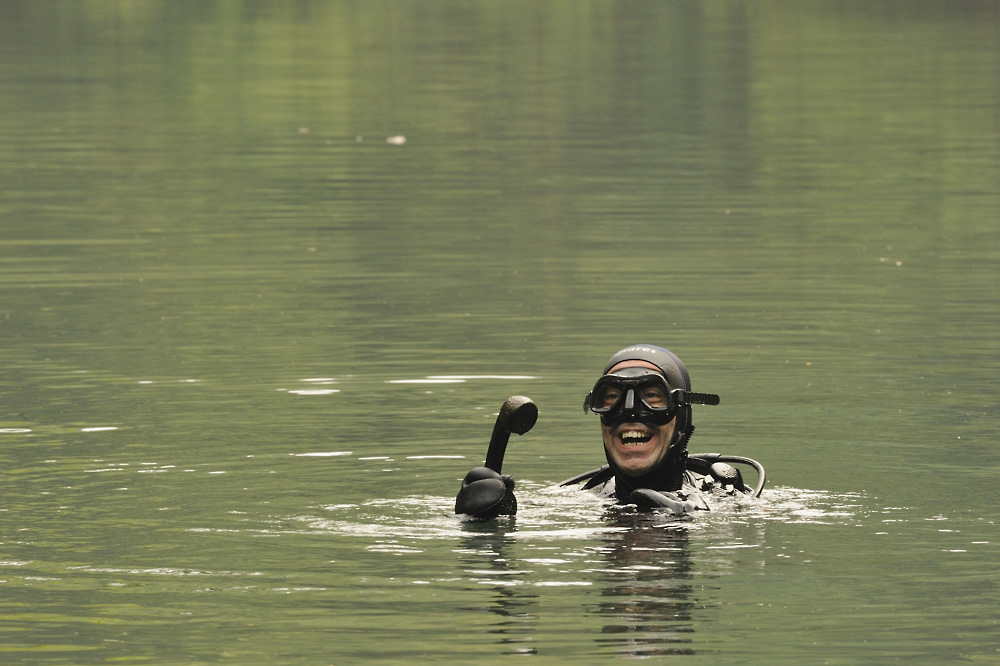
<point>633,469</point>
<point>634,463</point>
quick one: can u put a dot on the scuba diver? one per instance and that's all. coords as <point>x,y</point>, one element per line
<point>644,400</point>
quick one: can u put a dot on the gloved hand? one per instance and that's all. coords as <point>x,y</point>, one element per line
<point>727,475</point>
<point>486,494</point>
<point>644,498</point>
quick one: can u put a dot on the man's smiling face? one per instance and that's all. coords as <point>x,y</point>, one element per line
<point>636,448</point>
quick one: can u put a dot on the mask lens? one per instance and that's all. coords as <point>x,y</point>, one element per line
<point>655,397</point>
<point>606,397</point>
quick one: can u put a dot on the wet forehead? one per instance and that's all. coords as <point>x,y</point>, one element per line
<point>634,363</point>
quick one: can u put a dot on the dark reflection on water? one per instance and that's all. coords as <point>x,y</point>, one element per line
<point>649,597</point>
<point>641,568</point>
<point>488,550</point>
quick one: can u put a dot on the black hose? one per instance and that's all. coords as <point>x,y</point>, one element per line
<point>517,415</point>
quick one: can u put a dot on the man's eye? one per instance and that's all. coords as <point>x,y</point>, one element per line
<point>654,397</point>
<point>610,397</point>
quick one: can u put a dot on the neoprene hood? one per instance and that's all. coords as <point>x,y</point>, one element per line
<point>671,366</point>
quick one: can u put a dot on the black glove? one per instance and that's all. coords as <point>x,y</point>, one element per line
<point>644,498</point>
<point>485,494</point>
<point>727,475</point>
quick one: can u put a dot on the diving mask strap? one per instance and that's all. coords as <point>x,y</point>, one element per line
<point>693,398</point>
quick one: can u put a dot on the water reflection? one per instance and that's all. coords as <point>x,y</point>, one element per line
<point>648,595</point>
<point>487,552</point>
<point>644,571</point>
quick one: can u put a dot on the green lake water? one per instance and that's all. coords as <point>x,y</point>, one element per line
<point>269,269</point>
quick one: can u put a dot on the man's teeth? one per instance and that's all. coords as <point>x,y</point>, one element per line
<point>635,437</point>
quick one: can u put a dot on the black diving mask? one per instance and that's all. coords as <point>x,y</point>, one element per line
<point>641,395</point>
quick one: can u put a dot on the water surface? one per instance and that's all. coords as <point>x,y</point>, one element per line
<point>268,270</point>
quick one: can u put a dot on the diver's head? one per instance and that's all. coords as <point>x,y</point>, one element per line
<point>644,401</point>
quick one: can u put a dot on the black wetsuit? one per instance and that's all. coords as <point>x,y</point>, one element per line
<point>711,478</point>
